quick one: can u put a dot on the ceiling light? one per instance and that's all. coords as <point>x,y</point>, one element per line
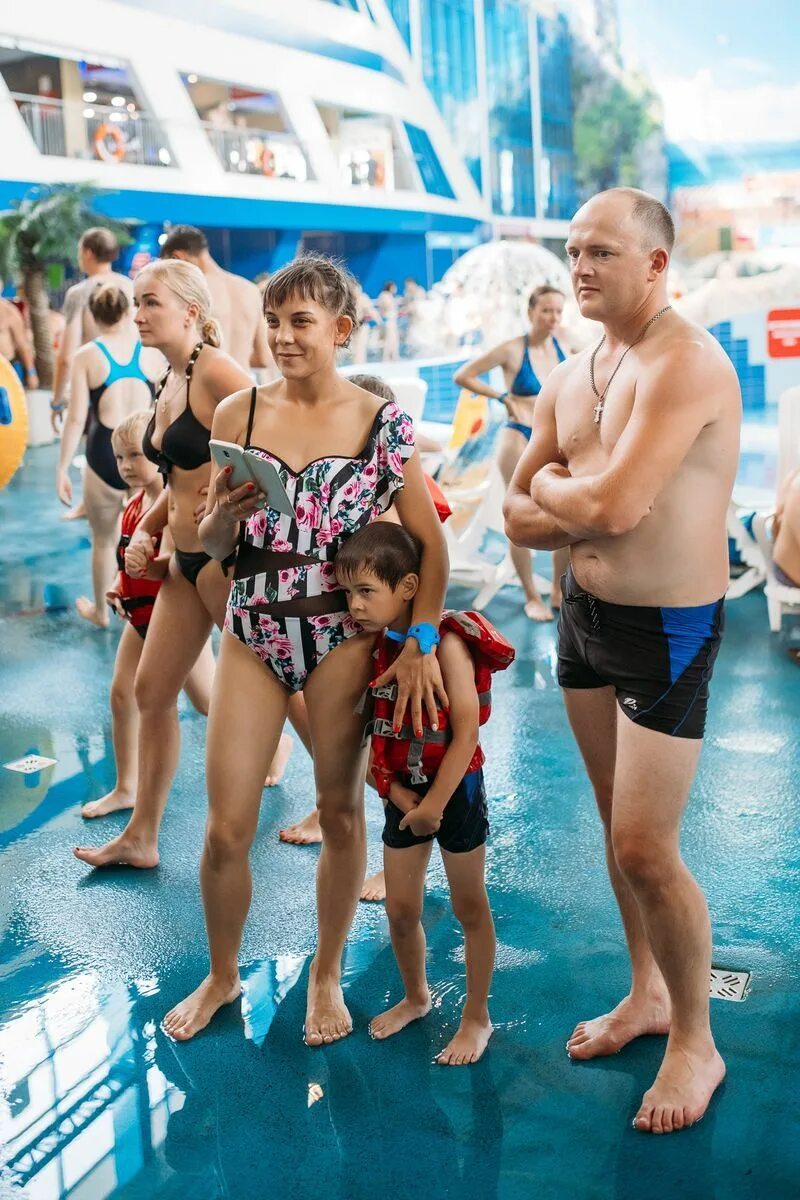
<point>89,97</point>
<point>192,78</point>
<point>118,101</point>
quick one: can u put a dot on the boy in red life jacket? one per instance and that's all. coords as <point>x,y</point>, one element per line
<point>432,787</point>
<point>133,600</point>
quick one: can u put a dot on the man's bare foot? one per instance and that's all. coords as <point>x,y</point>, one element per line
<point>76,513</point>
<point>124,851</point>
<point>194,1013</point>
<point>112,802</point>
<point>469,1043</point>
<point>537,610</point>
<point>89,612</point>
<point>305,832</point>
<point>396,1018</point>
<point>609,1033</point>
<point>682,1090</point>
<point>374,887</point>
<point>327,1016</point>
<point>278,765</point>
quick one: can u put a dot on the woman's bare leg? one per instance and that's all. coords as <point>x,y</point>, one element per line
<point>179,628</point>
<point>510,448</point>
<point>405,896</point>
<point>124,728</point>
<point>465,874</point>
<point>332,693</point>
<point>248,709</point>
<point>200,679</point>
<point>103,508</point>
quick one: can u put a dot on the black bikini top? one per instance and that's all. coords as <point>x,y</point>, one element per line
<point>184,443</point>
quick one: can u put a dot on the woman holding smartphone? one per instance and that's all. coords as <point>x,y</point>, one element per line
<point>343,457</point>
<point>173,315</point>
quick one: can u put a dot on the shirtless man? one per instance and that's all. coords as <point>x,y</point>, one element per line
<point>636,479</point>
<point>97,249</point>
<point>14,344</point>
<point>235,302</point>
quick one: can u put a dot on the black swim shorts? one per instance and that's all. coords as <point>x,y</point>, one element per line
<point>659,660</point>
<point>465,822</point>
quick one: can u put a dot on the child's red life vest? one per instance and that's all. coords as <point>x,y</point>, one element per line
<point>403,754</point>
<point>138,595</point>
<point>443,509</point>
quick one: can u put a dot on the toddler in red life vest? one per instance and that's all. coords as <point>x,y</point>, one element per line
<point>133,600</point>
<point>431,786</point>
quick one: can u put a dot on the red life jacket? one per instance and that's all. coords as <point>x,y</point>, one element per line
<point>403,754</point>
<point>137,595</point>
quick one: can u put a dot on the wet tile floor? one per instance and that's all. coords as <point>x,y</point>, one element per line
<point>98,1103</point>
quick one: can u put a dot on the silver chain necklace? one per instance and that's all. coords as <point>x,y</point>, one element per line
<point>599,408</point>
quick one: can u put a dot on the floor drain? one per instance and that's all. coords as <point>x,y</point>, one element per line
<point>729,985</point>
<point>30,764</point>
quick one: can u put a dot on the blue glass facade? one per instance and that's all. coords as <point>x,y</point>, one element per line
<point>559,186</point>
<point>433,177</point>
<point>508,81</point>
<point>400,10</point>
<point>450,69</point>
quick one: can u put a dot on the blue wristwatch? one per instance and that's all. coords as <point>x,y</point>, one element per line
<point>425,635</point>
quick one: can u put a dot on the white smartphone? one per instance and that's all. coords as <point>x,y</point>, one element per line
<point>228,454</point>
<point>266,475</point>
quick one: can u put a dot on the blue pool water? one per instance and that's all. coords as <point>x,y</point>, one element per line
<point>98,1103</point>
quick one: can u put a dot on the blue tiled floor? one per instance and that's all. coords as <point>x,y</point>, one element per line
<point>97,1101</point>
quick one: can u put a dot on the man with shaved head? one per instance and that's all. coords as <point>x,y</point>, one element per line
<point>631,464</point>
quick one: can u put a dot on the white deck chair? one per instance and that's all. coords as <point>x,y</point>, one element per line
<point>410,392</point>
<point>780,598</point>
<point>476,498</point>
<point>755,572</point>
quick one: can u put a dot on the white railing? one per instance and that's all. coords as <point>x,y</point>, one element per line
<point>244,150</point>
<point>94,131</point>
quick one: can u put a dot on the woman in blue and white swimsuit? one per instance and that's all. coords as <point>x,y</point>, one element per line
<point>343,457</point>
<point>526,362</point>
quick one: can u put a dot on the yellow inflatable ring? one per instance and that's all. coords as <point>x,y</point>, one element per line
<point>13,421</point>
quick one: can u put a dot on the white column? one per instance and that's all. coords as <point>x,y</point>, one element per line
<point>483,100</point>
<point>536,112</point>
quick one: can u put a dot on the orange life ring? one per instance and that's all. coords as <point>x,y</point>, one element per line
<point>115,153</point>
<point>267,161</point>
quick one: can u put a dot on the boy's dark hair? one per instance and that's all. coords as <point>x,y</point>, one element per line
<point>314,277</point>
<point>100,242</point>
<point>187,238</point>
<point>386,550</point>
<point>373,383</point>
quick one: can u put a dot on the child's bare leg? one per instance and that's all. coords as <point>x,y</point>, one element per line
<point>465,874</point>
<point>248,709</point>
<point>200,680</point>
<point>104,509</point>
<point>405,891</point>
<point>304,832</point>
<point>124,728</point>
<point>332,693</point>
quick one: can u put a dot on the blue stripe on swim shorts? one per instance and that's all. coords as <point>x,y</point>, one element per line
<point>687,630</point>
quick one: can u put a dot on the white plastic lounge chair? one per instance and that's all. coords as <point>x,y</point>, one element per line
<point>780,598</point>
<point>755,572</point>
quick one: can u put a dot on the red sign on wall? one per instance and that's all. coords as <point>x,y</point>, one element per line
<point>783,333</point>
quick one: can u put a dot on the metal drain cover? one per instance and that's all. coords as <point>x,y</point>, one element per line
<point>729,985</point>
<point>30,764</point>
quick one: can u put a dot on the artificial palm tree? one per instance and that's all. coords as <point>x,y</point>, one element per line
<point>42,229</point>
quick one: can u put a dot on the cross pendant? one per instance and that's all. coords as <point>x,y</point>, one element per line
<point>598,411</point>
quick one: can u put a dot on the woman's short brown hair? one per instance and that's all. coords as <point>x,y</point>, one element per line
<point>314,277</point>
<point>108,304</point>
<point>546,289</point>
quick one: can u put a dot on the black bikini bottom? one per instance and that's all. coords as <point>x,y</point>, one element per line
<point>190,563</point>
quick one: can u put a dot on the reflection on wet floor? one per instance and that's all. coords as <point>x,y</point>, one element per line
<point>98,1103</point>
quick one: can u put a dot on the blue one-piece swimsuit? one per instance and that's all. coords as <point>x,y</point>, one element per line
<point>526,383</point>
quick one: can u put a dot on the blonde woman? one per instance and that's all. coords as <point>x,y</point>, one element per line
<point>173,315</point>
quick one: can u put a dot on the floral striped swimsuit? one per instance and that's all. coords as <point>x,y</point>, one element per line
<point>284,602</point>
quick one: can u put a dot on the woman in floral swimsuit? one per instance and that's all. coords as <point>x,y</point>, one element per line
<point>343,458</point>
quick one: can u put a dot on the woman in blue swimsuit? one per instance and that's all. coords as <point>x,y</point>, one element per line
<point>344,457</point>
<point>526,362</point>
<point>112,377</point>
